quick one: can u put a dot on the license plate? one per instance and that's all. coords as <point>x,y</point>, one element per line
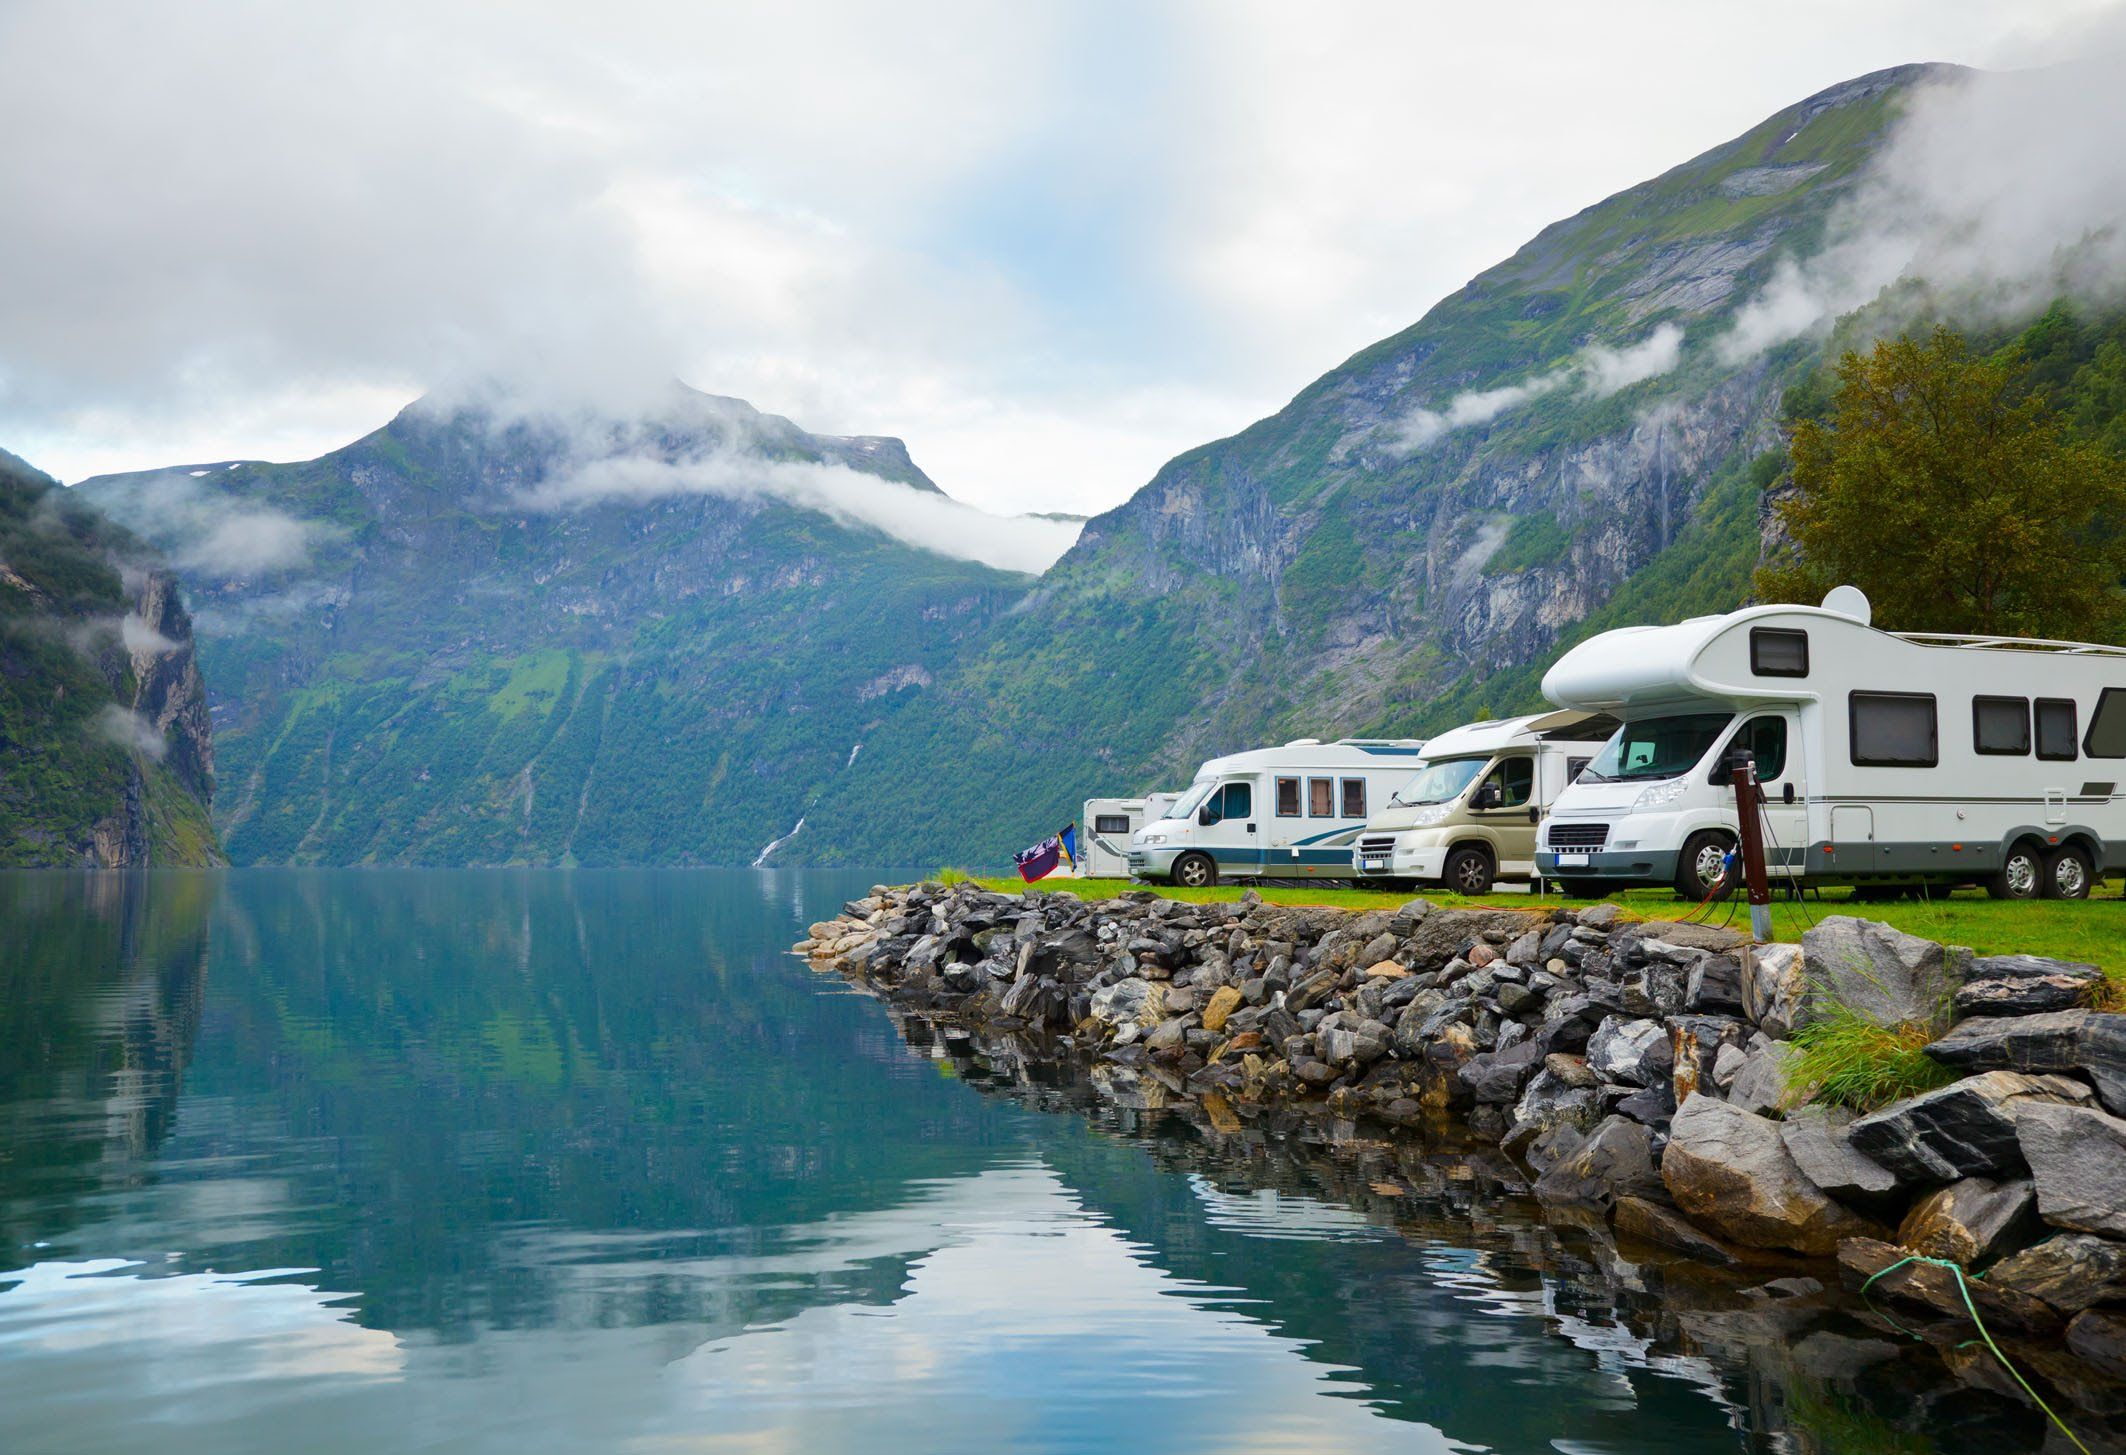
<point>1375,864</point>
<point>1572,861</point>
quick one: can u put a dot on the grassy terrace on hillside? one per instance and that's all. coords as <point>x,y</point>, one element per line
<point>2087,930</point>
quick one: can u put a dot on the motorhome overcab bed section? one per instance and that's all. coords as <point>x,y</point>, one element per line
<point>1885,757</point>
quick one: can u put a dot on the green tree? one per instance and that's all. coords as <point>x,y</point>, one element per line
<point>1950,492</point>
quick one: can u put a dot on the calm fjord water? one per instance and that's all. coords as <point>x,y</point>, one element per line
<point>472,1161</point>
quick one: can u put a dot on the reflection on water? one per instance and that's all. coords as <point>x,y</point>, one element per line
<point>549,1161</point>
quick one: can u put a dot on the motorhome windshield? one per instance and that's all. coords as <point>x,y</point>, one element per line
<point>1656,747</point>
<point>1440,782</point>
<point>1191,800</point>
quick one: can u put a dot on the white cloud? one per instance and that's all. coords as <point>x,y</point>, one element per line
<point>209,531</point>
<point>1999,191</point>
<point>141,639</point>
<point>131,731</point>
<point>1596,371</point>
<point>1007,234</point>
<point>921,518</point>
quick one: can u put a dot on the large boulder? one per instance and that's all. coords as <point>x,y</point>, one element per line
<point>1654,1222</point>
<point>1816,1138</point>
<point>1616,1160</point>
<point>2077,1155</point>
<point>2025,985</point>
<point>1129,1002</point>
<point>2070,1271</point>
<point>1774,984</point>
<point>1729,1170</point>
<point>2099,1336</point>
<point>2090,1042</point>
<point>1969,1222</point>
<point>1497,1077</point>
<point>1633,1052</point>
<point>1762,1083</point>
<point>1881,973</point>
<point>1550,1100</point>
<point>1889,1272</point>
<point>1964,1130</point>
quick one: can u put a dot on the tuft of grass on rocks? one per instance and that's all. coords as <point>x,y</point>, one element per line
<point>1846,1059</point>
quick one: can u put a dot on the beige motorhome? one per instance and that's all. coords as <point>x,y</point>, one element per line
<point>1470,816</point>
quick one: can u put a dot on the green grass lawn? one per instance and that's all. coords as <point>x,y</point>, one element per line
<point>2092,930</point>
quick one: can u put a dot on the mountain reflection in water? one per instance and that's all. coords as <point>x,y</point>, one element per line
<point>582,1161</point>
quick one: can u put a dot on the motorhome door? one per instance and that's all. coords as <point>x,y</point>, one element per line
<point>1774,739</point>
<point>1229,829</point>
<point>1505,803</point>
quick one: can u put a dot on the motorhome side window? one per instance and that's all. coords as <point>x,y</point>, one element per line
<point>1779,652</point>
<point>1111,823</point>
<point>1893,729</point>
<point>1288,798</point>
<point>1321,798</point>
<point>2107,725</point>
<point>1765,737</point>
<point>1514,779</point>
<point>1354,798</point>
<point>2056,729</point>
<point>2001,725</point>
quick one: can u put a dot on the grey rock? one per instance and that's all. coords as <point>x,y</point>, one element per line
<point>1652,1222</point>
<point>1635,1052</point>
<point>2070,1271</point>
<point>1545,1151</point>
<point>1498,1077</point>
<point>1129,1000</point>
<point>1729,1171</point>
<point>1695,1043</point>
<point>1774,985</point>
<point>1514,999</point>
<point>2002,985</point>
<point>1971,1221</point>
<point>1714,985</point>
<point>1571,1070</point>
<point>2090,1042</point>
<point>1882,973</point>
<point>1599,916</point>
<point>2098,1337</point>
<point>1816,1138</point>
<point>1679,935</point>
<point>1653,1106</point>
<point>1549,1102</point>
<point>2077,1155</point>
<point>1964,1130</point>
<point>1761,1084</point>
<point>1525,949</point>
<point>1169,1035</point>
<point>1726,1063</point>
<point>1615,1160</point>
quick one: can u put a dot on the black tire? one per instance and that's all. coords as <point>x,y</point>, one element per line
<point>2021,874</point>
<point>1469,871</point>
<point>2068,874</point>
<point>1196,871</point>
<point>1698,867</point>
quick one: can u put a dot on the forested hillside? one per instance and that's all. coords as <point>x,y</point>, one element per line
<point>105,754</point>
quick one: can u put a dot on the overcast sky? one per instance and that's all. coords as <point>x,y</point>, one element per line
<point>1048,245</point>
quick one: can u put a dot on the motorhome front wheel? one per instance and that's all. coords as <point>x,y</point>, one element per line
<point>1195,871</point>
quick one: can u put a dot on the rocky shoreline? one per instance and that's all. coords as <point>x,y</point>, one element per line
<point>1638,1073</point>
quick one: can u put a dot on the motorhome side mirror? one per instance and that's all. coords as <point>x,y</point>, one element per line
<point>1786,792</point>
<point>1206,815</point>
<point>1535,815</point>
<point>1486,797</point>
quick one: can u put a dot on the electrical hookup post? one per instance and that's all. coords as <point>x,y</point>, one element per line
<point>1749,824</point>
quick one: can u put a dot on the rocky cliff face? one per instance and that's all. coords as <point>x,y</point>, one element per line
<point>106,750</point>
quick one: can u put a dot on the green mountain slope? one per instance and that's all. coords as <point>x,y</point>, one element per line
<point>464,640</point>
<point>105,754</point>
<point>1361,562</point>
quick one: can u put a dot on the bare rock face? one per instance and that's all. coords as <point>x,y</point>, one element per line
<point>1816,1139</point>
<point>1650,1221</point>
<point>2077,1155</point>
<point>1969,1222</point>
<point>1884,974</point>
<point>2090,1042</point>
<point>1615,1161</point>
<point>2099,1336</point>
<point>1964,1130</point>
<point>1730,1171</point>
<point>2001,985</point>
<point>1774,984</point>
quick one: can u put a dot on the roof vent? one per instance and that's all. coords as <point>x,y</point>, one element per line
<point>1304,743</point>
<point>1850,601</point>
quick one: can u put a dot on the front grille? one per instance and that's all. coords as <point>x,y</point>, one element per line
<point>1375,848</point>
<point>1578,835</point>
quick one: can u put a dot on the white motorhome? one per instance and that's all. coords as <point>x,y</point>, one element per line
<point>1470,814</point>
<point>1886,759</point>
<point>1104,833</point>
<point>1274,813</point>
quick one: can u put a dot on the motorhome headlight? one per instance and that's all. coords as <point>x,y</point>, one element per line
<point>1149,839</point>
<point>1431,815</point>
<point>1661,794</point>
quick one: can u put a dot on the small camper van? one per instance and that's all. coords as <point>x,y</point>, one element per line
<point>1470,815</point>
<point>1104,833</point>
<point>1275,813</point>
<point>1886,759</point>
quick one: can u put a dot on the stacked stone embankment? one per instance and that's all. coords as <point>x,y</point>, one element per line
<point>1643,1071</point>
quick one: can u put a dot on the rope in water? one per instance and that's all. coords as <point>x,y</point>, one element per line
<point>1964,1288</point>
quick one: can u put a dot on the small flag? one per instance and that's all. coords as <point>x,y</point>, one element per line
<point>1040,861</point>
